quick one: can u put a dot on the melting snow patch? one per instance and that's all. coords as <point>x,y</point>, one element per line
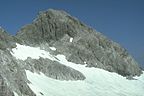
<point>71,39</point>
<point>53,48</point>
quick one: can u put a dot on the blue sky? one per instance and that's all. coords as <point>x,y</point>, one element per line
<point>120,20</point>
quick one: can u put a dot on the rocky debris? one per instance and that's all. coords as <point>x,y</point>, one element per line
<point>130,78</point>
<point>57,27</point>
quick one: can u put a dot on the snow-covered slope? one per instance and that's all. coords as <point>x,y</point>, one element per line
<point>98,82</point>
<point>23,52</point>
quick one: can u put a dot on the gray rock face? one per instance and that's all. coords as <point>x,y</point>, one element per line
<point>6,40</point>
<point>4,89</point>
<point>56,27</point>
<point>50,26</point>
<point>12,76</point>
<point>53,69</point>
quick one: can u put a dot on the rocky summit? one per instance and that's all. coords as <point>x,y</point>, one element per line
<point>67,52</point>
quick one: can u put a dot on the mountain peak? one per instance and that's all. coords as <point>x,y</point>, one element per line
<point>53,14</point>
<point>50,26</point>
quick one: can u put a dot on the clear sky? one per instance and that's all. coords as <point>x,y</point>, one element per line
<point>120,20</point>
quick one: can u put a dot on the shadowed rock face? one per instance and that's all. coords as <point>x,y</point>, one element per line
<point>56,27</point>
<point>78,42</point>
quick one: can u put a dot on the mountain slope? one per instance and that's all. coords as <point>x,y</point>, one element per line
<point>57,55</point>
<point>57,28</point>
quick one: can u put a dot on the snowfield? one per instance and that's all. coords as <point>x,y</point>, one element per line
<point>22,52</point>
<point>98,82</point>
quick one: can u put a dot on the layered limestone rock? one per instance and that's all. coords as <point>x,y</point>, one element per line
<point>78,42</point>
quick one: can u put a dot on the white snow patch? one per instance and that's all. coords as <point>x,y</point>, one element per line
<point>15,94</point>
<point>53,48</point>
<point>36,90</point>
<point>95,63</point>
<point>85,62</point>
<point>23,52</point>
<point>71,39</point>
